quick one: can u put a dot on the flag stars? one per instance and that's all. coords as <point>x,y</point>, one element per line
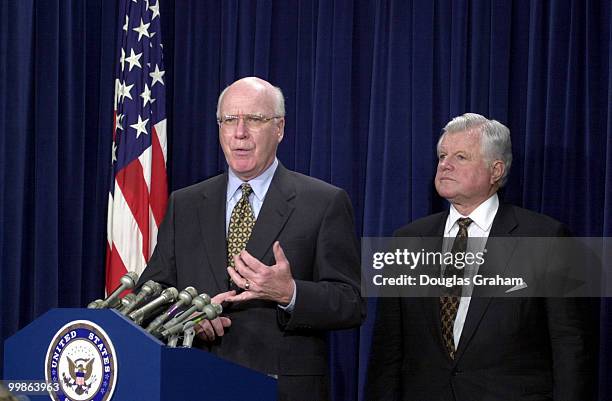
<point>137,117</point>
<point>155,10</point>
<point>140,126</point>
<point>119,124</point>
<point>124,91</point>
<point>133,60</point>
<point>157,76</point>
<point>146,96</point>
<point>118,92</point>
<point>127,89</point>
<point>143,29</point>
<point>122,59</point>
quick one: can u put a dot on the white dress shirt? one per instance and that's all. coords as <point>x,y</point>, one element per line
<point>482,220</point>
<point>260,186</point>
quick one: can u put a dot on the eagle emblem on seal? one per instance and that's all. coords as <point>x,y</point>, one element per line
<point>80,372</point>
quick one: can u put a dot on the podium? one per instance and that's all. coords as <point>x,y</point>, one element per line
<point>100,355</point>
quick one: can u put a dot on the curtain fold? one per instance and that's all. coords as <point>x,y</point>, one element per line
<point>368,84</point>
<point>56,108</point>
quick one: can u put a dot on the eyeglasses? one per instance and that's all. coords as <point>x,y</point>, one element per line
<point>251,121</point>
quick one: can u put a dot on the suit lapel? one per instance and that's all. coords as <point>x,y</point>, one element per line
<point>276,209</point>
<point>211,215</point>
<point>496,262</point>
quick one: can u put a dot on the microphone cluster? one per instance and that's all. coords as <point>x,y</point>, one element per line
<point>167,314</point>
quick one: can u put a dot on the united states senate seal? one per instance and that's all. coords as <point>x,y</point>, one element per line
<point>82,359</point>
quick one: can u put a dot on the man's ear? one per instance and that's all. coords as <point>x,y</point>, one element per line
<point>498,168</point>
<point>281,129</point>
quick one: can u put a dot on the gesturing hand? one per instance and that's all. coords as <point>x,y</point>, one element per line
<point>274,283</point>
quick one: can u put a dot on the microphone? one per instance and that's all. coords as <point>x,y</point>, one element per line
<point>148,290</point>
<point>95,304</point>
<point>173,340</point>
<point>188,334</point>
<point>127,282</point>
<point>175,324</point>
<point>168,295</point>
<point>127,300</point>
<point>209,312</point>
<point>184,298</point>
<point>117,303</point>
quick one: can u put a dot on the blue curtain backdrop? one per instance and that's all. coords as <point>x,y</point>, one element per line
<point>369,84</point>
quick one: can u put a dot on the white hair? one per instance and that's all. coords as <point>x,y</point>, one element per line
<point>494,138</point>
<point>279,109</point>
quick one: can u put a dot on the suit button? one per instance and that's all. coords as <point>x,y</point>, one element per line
<point>456,372</point>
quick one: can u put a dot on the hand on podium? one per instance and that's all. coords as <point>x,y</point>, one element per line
<point>208,330</point>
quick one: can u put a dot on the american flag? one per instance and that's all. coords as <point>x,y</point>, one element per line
<point>139,190</point>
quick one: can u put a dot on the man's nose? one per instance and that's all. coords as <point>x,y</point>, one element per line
<point>241,129</point>
<point>444,164</point>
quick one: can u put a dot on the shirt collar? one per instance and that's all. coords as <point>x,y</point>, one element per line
<point>259,184</point>
<point>482,216</point>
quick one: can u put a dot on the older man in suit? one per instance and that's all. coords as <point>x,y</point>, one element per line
<point>281,242</point>
<point>468,348</point>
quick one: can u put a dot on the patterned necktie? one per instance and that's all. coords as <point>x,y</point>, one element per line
<point>241,224</point>
<point>449,303</point>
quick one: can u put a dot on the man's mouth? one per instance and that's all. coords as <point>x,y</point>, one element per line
<point>241,151</point>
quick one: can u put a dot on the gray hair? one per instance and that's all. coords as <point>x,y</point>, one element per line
<point>494,138</point>
<point>279,109</point>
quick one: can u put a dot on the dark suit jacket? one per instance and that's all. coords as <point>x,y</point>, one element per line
<point>313,221</point>
<point>510,348</point>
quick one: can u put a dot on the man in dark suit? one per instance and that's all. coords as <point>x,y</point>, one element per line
<point>471,348</point>
<point>298,277</point>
